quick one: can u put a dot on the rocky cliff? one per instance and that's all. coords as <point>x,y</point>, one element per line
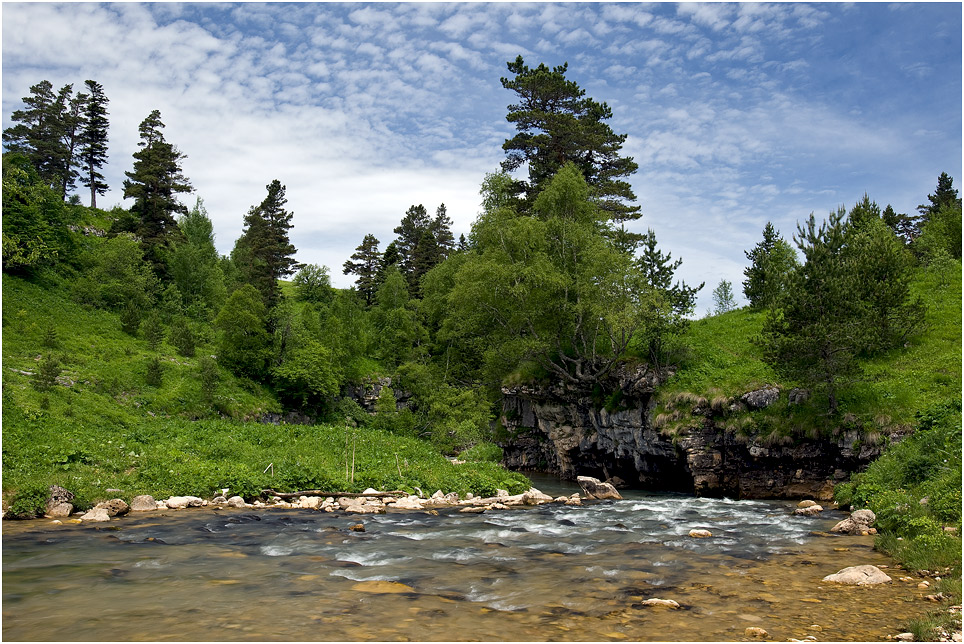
<point>561,432</point>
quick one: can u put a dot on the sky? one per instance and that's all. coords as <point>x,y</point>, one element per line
<point>737,113</point>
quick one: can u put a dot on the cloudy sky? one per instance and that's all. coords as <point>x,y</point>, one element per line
<point>736,113</point>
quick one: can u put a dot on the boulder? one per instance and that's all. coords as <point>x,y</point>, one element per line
<point>62,509</point>
<point>236,502</point>
<point>806,504</point>
<point>535,497</point>
<point>798,396</point>
<point>310,502</point>
<point>756,632</point>
<point>96,515</point>
<point>114,507</point>
<point>358,527</point>
<point>761,398</point>
<point>575,499</point>
<point>809,511</point>
<point>858,523</point>
<point>669,603</point>
<point>859,576</point>
<point>143,503</point>
<point>700,533</point>
<point>181,502</point>
<point>409,503</point>
<point>596,489</point>
<point>59,502</point>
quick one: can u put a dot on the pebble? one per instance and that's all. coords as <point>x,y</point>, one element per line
<point>905,637</point>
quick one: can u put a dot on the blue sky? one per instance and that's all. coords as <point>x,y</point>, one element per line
<point>737,114</point>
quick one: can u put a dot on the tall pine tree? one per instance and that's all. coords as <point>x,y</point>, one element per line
<point>558,124</point>
<point>365,263</point>
<point>264,253</point>
<point>154,184</point>
<point>771,261</point>
<point>93,140</point>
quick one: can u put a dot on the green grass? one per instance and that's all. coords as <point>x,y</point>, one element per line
<point>722,362</point>
<point>102,426</point>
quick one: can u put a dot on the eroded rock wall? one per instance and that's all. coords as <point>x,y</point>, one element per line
<point>565,434</point>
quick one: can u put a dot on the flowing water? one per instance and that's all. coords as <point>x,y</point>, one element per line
<point>546,573</point>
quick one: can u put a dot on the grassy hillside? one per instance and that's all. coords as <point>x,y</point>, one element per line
<point>102,427</point>
<point>723,362</point>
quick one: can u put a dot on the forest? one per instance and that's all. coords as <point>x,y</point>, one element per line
<point>549,287</point>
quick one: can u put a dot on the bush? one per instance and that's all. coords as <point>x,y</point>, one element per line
<point>46,375</point>
<point>30,502</point>
<point>182,338</point>
<point>482,452</point>
<point>155,372</point>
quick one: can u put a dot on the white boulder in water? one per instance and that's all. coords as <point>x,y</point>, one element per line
<point>596,489</point>
<point>859,576</point>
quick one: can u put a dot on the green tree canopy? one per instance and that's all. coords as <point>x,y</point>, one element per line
<point>245,344</point>
<point>557,124</point>
<point>771,261</point>
<point>264,253</point>
<point>365,263</point>
<point>154,184</point>
<point>549,288</point>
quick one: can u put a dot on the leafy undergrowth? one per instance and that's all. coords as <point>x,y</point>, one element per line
<point>173,456</point>
<point>101,426</point>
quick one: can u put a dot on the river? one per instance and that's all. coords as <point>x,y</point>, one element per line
<point>550,573</point>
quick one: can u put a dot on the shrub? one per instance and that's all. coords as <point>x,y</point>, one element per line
<point>46,376</point>
<point>30,502</point>
<point>155,372</point>
<point>182,338</point>
<point>482,452</point>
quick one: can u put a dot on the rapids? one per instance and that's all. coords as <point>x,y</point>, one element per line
<point>547,573</point>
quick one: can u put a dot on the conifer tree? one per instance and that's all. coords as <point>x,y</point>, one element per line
<point>365,263</point>
<point>264,253</point>
<point>154,184</point>
<point>558,124</point>
<point>93,140</point>
<point>771,261</point>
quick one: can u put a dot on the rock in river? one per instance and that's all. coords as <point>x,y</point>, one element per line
<point>596,489</point>
<point>859,576</point>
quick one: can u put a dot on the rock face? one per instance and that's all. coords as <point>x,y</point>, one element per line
<point>859,576</point>
<point>564,432</point>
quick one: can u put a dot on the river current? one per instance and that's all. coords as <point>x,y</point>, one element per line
<point>550,573</point>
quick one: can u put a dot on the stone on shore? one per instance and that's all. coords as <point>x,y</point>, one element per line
<point>596,489</point>
<point>59,502</point>
<point>143,503</point>
<point>473,509</point>
<point>535,497</point>
<point>181,502</point>
<point>409,503</point>
<point>236,502</point>
<point>668,603</point>
<point>859,576</point>
<point>96,515</point>
<point>858,523</point>
<point>114,507</point>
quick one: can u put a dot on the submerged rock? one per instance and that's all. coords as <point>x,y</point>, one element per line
<point>596,489</point>
<point>756,631</point>
<point>96,515</point>
<point>668,603</point>
<point>859,576</point>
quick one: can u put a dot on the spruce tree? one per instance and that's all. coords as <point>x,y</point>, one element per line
<point>771,261</point>
<point>365,263</point>
<point>154,184</point>
<point>558,124</point>
<point>93,140</point>
<point>264,253</point>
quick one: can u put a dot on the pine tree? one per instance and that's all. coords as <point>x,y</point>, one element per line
<point>441,230</point>
<point>557,124</point>
<point>901,224</point>
<point>264,253</point>
<point>771,261</point>
<point>93,140</point>
<point>46,133</point>
<point>365,262</point>
<point>154,185</point>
